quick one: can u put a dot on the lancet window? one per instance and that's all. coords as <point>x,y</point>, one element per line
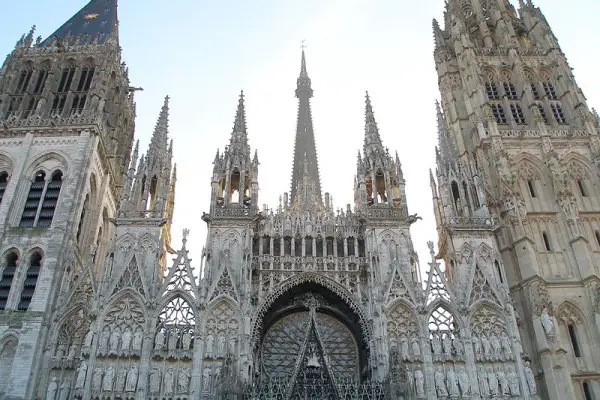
<point>122,331</point>
<point>30,282</point>
<point>542,112</point>
<point>8,274</point>
<point>498,112</point>
<point>60,98</point>
<point>175,329</point>
<point>547,243</point>
<point>517,113</point>
<point>558,113</point>
<point>3,184</point>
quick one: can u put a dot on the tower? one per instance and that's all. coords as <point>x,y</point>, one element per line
<point>517,176</point>
<point>66,122</point>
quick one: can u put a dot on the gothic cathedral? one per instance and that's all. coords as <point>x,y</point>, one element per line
<point>302,301</point>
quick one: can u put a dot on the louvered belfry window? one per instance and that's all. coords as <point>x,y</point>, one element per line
<point>8,274</point>
<point>30,282</point>
<point>42,200</point>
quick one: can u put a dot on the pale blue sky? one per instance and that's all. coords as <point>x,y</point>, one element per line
<point>202,53</point>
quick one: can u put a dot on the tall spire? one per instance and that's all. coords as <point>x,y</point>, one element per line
<point>95,22</point>
<point>159,143</point>
<point>372,138</point>
<point>239,134</point>
<point>305,152</point>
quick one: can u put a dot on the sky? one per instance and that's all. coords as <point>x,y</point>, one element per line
<point>202,53</point>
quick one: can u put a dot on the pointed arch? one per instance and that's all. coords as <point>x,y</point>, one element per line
<point>573,327</point>
<point>73,327</point>
<point>569,313</point>
<point>8,350</point>
<point>402,320</point>
<point>487,318</point>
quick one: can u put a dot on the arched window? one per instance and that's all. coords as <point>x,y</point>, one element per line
<point>319,246</point>
<point>574,340</point>
<point>597,234</point>
<point>266,247</point>
<point>510,91</point>
<point>85,79</point>
<point>456,197</point>
<point>542,113</point>
<point>547,245</point>
<point>517,113</point>
<point>587,391</point>
<point>531,187</point>
<point>38,212</point>
<point>466,191</point>
<point>24,79</point>
<point>41,81</point>
<point>351,246</point>
<point>31,278</point>
<point>82,217</point>
<point>380,187</point>
<point>277,246</point>
<point>475,196</point>
<point>498,112</point>
<point>549,90</point>
<point>50,199</point>
<point>582,189</point>
<point>3,184</point>
<point>287,245</point>
<point>499,271</point>
<point>558,113</point>
<point>298,246</point>
<point>234,184</point>
<point>361,248</point>
<point>340,247</point>
<point>308,246</point>
<point>8,274</point>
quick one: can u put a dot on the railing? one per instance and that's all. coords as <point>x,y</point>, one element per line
<point>532,133</point>
<point>292,263</point>
<point>232,212</point>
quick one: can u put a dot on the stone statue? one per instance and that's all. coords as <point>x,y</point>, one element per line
<point>487,348</point>
<point>493,383</point>
<point>447,344</point>
<point>169,381</point>
<point>109,376</point>
<point>97,379</point>
<point>503,382</point>
<point>209,345</point>
<point>436,345</point>
<point>115,338</point>
<point>159,340</point>
<point>136,344</point>
<point>415,347</point>
<point>465,382</point>
<point>183,381</point>
<point>458,347</point>
<point>120,381</point>
<point>513,382</point>
<point>173,336</point>
<point>126,340</point>
<point>439,383</point>
<point>404,348</point>
<point>60,352</point>
<point>232,345</point>
<point>65,390</point>
<point>546,321</point>
<point>452,383</point>
<point>484,387</point>
<point>52,388</point>
<point>206,378</point>
<point>497,347</point>
<point>154,381</point>
<point>530,378</point>
<point>419,384</point>
<point>221,345</point>
<point>103,343</point>
<point>132,377</point>
<point>72,352</point>
<point>507,347</point>
<point>477,347</point>
<point>81,374</point>
<point>186,340</point>
<point>88,341</point>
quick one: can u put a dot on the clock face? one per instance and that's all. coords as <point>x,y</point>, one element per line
<point>91,16</point>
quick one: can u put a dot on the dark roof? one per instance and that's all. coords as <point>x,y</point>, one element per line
<point>97,19</point>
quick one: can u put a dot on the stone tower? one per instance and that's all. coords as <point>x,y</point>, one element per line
<point>516,197</point>
<point>66,131</point>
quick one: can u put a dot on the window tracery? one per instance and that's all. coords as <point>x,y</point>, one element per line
<point>175,331</point>
<point>221,331</point>
<point>70,340</point>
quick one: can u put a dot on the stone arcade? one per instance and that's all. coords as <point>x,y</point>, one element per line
<point>303,301</point>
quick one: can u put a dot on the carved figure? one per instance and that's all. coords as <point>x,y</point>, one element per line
<point>546,321</point>
<point>65,390</point>
<point>186,340</point>
<point>209,345</point>
<point>232,345</point>
<point>173,337</point>
<point>120,381</point>
<point>115,338</point>
<point>497,347</point>
<point>81,374</point>
<point>103,343</point>
<point>477,347</point>
<point>52,388</point>
<point>404,348</point>
<point>487,348</point>
<point>420,384</point>
<point>221,345</point>
<point>415,348</point>
<point>484,387</point>
<point>439,383</point>
<point>206,374</point>
<point>97,379</point>
<point>159,340</point>
<point>72,351</point>
<point>136,344</point>
<point>88,341</point>
<point>458,347</point>
<point>503,382</point>
<point>447,344</point>
<point>169,381</point>
<point>132,378</point>
<point>107,381</point>
<point>126,340</point>
<point>493,383</point>
<point>452,383</point>
<point>530,378</point>
<point>154,381</point>
<point>436,345</point>
<point>183,381</point>
<point>507,347</point>
<point>513,382</point>
<point>465,382</point>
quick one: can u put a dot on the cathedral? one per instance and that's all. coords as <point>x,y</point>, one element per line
<point>304,300</point>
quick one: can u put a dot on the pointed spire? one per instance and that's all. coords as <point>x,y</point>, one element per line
<point>446,151</point>
<point>239,135</point>
<point>240,116</point>
<point>372,138</point>
<point>438,36</point>
<point>305,152</point>
<point>95,22</point>
<point>159,144</point>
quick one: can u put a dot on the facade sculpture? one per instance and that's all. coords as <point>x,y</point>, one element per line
<point>302,300</point>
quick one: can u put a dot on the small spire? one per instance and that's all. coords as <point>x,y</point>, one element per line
<point>255,159</point>
<point>240,116</point>
<point>437,33</point>
<point>372,137</point>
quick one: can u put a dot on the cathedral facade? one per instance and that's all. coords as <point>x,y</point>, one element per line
<point>302,301</point>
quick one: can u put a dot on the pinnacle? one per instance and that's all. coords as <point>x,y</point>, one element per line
<point>239,125</point>
<point>371,131</point>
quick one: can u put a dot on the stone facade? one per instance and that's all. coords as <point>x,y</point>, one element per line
<point>303,300</point>
<point>517,173</point>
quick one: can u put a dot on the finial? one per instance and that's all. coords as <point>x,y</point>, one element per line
<point>303,45</point>
<point>430,245</point>
<point>185,234</point>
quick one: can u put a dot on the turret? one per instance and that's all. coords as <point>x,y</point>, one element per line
<point>379,179</point>
<point>235,171</point>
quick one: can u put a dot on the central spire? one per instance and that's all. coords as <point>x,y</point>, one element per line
<point>306,166</point>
